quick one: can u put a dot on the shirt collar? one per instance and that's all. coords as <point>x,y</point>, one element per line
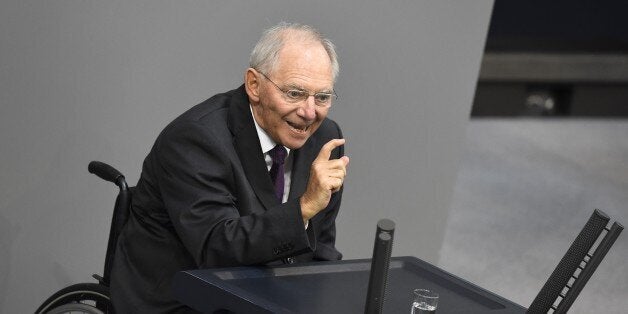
<point>265,140</point>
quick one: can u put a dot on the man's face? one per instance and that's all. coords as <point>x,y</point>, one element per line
<point>303,66</point>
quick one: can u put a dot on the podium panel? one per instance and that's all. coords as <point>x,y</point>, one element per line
<point>330,287</point>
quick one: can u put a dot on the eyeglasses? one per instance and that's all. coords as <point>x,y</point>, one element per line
<point>294,95</point>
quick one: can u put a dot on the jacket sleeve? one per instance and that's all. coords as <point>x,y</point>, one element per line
<point>325,222</point>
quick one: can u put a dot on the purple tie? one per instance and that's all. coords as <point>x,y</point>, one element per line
<point>278,154</point>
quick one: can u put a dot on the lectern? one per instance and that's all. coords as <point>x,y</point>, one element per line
<point>330,287</point>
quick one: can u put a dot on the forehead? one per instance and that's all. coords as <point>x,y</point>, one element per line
<point>304,64</point>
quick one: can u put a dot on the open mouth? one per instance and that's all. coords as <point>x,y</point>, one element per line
<point>298,128</point>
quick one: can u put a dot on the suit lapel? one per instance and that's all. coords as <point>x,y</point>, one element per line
<point>248,148</point>
<point>303,158</point>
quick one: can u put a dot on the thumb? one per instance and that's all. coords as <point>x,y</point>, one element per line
<point>345,159</point>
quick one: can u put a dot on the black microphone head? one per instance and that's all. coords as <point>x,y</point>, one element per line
<point>386,225</point>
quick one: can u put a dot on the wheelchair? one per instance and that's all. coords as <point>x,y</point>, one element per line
<point>94,298</point>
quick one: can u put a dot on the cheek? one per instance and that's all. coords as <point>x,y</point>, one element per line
<point>280,113</point>
<point>268,112</point>
<point>275,121</point>
<point>321,115</point>
<point>315,126</point>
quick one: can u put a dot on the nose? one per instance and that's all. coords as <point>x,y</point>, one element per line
<point>307,110</point>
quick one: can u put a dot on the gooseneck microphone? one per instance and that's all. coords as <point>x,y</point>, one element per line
<point>379,267</point>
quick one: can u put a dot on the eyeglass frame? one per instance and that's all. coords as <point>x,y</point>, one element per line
<point>333,96</point>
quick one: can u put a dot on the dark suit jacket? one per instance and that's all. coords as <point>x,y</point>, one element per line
<point>205,199</point>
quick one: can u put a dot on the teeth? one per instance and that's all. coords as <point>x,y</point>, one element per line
<point>300,129</point>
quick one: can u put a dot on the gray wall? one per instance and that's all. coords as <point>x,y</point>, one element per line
<point>97,80</point>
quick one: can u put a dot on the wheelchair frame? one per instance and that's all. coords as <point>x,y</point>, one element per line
<point>94,298</point>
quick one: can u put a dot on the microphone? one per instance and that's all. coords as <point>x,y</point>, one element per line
<point>379,267</point>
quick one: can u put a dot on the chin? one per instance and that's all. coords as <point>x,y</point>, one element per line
<point>294,144</point>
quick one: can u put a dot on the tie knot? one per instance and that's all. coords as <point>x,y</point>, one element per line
<point>278,154</point>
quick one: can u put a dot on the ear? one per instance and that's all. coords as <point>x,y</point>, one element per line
<point>252,85</point>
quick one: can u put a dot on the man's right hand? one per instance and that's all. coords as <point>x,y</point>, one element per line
<point>326,177</point>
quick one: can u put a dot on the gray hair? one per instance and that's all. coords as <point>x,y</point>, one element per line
<point>266,52</point>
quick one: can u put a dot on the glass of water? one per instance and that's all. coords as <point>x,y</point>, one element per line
<point>425,301</point>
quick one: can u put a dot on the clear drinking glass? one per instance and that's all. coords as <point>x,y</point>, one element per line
<point>425,301</point>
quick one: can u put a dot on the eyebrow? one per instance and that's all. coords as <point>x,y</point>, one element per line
<point>301,88</point>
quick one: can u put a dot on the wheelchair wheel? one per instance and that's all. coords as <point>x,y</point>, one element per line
<point>75,308</point>
<point>90,298</point>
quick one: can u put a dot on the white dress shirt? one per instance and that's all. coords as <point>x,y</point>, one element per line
<point>267,144</point>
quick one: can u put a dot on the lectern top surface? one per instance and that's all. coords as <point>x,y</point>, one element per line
<point>338,287</point>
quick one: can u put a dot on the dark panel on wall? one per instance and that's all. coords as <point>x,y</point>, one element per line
<point>600,101</point>
<point>555,58</point>
<point>559,25</point>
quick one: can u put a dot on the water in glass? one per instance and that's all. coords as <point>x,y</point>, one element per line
<point>422,308</point>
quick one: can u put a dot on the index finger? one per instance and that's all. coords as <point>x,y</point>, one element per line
<point>325,152</point>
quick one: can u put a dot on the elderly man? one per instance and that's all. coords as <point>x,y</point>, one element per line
<point>251,176</point>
